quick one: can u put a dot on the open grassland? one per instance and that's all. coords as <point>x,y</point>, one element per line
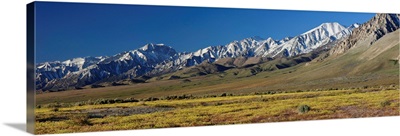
<point>333,104</point>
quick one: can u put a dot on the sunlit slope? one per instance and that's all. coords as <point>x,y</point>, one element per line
<point>365,61</point>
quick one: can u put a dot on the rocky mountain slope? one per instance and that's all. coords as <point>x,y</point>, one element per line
<point>369,32</point>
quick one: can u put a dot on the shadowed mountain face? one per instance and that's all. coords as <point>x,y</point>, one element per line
<point>254,55</point>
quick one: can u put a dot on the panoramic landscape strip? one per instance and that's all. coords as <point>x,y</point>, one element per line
<point>328,71</point>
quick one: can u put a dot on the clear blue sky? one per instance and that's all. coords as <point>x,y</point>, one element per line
<point>70,30</point>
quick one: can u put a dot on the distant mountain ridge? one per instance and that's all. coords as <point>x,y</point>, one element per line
<point>259,47</point>
<point>155,59</point>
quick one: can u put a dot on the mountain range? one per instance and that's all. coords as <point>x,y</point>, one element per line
<point>158,59</point>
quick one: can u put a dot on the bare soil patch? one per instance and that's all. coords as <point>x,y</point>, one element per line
<point>123,111</point>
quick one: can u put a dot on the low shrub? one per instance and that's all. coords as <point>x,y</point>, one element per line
<point>174,77</point>
<point>79,104</point>
<point>117,100</point>
<point>212,96</point>
<point>223,94</point>
<point>181,97</point>
<point>385,103</point>
<point>81,119</point>
<point>110,101</point>
<point>303,109</point>
<point>151,99</point>
<point>53,105</point>
<point>130,100</point>
<point>55,109</point>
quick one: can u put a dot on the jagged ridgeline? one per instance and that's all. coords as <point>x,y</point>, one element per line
<point>326,42</point>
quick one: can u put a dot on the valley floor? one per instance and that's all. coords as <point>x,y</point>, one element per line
<point>220,110</point>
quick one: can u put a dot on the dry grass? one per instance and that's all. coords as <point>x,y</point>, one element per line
<point>225,110</point>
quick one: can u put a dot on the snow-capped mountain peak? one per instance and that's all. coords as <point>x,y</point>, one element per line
<point>255,38</point>
<point>312,39</point>
<point>355,25</point>
<point>151,46</point>
<point>331,28</point>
